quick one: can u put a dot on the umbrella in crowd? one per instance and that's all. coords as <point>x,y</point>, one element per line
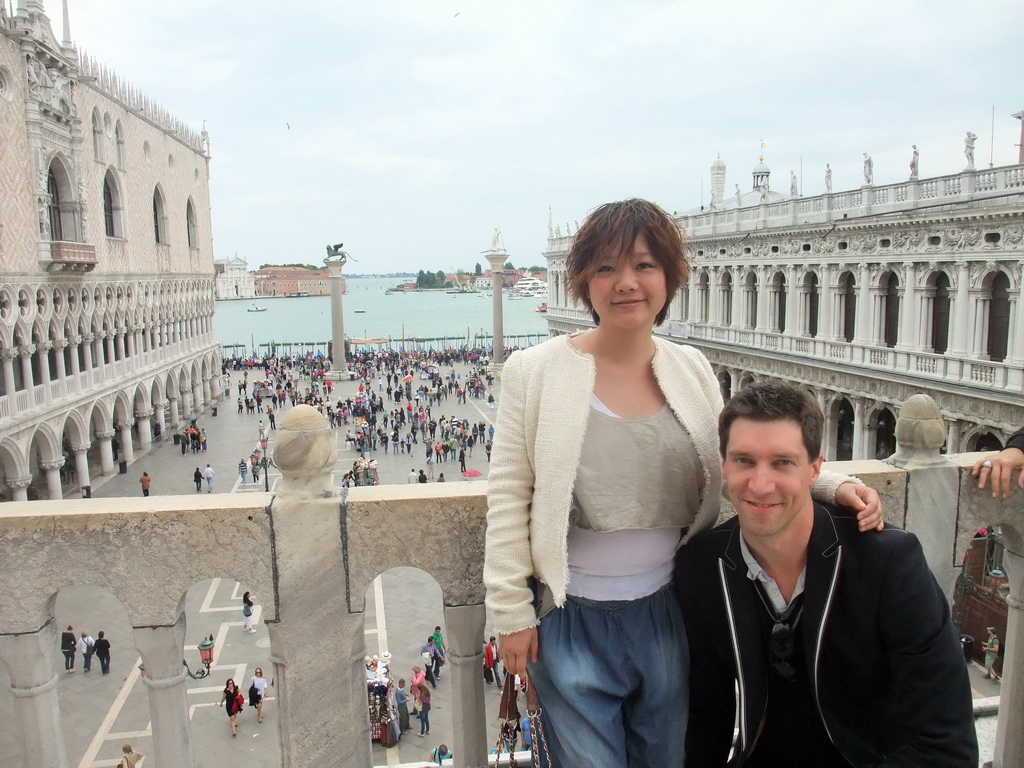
<point>471,473</point>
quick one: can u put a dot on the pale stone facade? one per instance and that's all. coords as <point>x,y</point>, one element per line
<point>867,297</point>
<point>311,558</point>
<point>106,284</point>
<point>234,280</point>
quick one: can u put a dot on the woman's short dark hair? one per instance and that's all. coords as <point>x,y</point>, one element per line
<point>612,229</point>
<point>774,401</point>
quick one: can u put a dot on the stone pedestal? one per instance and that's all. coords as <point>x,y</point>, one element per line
<point>337,314</point>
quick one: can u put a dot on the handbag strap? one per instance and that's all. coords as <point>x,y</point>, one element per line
<point>509,726</point>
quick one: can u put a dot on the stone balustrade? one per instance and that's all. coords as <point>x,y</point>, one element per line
<point>312,558</point>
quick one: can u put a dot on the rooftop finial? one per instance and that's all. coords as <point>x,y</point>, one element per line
<point>67,25</point>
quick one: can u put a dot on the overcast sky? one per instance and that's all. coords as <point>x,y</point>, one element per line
<point>418,126</point>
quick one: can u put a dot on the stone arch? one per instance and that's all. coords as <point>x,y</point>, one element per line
<point>113,205</point>
<point>778,293</point>
<point>63,204</point>
<point>841,415</point>
<point>881,423</point>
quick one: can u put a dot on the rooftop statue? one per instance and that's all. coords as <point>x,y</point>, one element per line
<point>869,169</point>
<point>828,178</point>
<point>913,163</point>
<point>969,140</point>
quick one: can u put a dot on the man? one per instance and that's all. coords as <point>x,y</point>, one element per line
<point>131,757</point>
<point>999,467</point>
<point>413,477</point>
<point>991,649</point>
<point>243,468</point>
<point>145,482</point>
<point>430,656</point>
<point>841,642</point>
<point>208,473</point>
<point>440,754</point>
<point>102,649</point>
<point>87,646</point>
<point>68,646</point>
<point>491,659</point>
<point>439,644</point>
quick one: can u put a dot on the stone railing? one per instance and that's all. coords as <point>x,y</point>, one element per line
<point>312,558</point>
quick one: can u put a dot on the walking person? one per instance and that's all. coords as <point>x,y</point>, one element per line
<point>412,477</point>
<point>418,678</point>
<point>198,479</point>
<point>243,467</point>
<point>208,473</point>
<point>439,645</point>
<point>424,714</point>
<point>87,646</point>
<point>255,466</point>
<point>247,611</point>
<point>68,646</point>
<point>131,757</point>
<point>430,655</point>
<point>233,702</point>
<point>145,481</point>
<point>991,649</point>
<point>257,692</point>
<point>491,659</point>
<point>103,652</point>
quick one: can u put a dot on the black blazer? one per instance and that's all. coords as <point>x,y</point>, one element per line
<point>883,658</point>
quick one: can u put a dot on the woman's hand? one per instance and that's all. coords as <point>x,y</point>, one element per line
<point>515,648</point>
<point>999,468</point>
<point>865,502</point>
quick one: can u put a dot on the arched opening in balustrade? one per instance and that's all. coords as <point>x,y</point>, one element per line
<point>847,296</point>
<point>844,420</point>
<point>982,441</point>
<point>998,316</point>
<point>883,424</point>
<point>11,469</point>
<point>43,455</point>
<point>890,309</point>
<point>213,608</point>
<point>777,320</point>
<point>939,317</point>
<point>96,710</point>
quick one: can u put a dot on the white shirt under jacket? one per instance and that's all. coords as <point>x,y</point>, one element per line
<point>542,415</point>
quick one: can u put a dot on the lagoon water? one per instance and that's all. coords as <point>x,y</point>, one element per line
<point>306,321</point>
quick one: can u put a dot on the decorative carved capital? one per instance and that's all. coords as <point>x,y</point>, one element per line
<point>18,483</point>
<point>44,346</point>
<point>125,425</point>
<point>59,343</point>
<point>86,337</point>
<point>9,353</point>
<point>52,466</point>
<point>81,448</point>
<point>144,414</point>
<point>105,435</point>
<point>27,350</point>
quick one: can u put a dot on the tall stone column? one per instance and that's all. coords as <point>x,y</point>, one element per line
<point>8,356</point>
<point>497,257</point>
<point>127,449</point>
<point>81,453</point>
<point>161,649</point>
<point>909,311</point>
<point>794,323</point>
<point>34,687</point>
<point>53,484</point>
<point>19,487</point>
<point>863,333</point>
<point>43,350</point>
<point>175,413</point>
<point>145,428</point>
<point>106,452</point>
<point>826,305</point>
<point>197,399</point>
<point>75,342</point>
<point>464,629</point>
<point>1016,318</point>
<point>1010,728</point>
<point>26,351</point>
<point>860,429</point>
<point>59,346</point>
<point>961,310</point>
<point>334,266</point>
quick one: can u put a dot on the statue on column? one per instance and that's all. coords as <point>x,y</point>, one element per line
<point>828,178</point>
<point>739,196</point>
<point>969,140</point>
<point>869,169</point>
<point>913,163</point>
<point>793,192</point>
<point>496,239</point>
<point>335,254</point>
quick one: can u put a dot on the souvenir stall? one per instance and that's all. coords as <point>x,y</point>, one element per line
<point>381,700</point>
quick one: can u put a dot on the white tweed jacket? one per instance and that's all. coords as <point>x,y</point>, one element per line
<point>542,417</point>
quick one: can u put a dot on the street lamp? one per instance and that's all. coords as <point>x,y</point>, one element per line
<point>206,656</point>
<point>266,480</point>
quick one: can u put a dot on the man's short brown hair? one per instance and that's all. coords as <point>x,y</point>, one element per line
<point>774,401</point>
<point>611,230</point>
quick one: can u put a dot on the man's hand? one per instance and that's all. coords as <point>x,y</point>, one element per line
<point>999,468</point>
<point>516,647</point>
<point>865,502</point>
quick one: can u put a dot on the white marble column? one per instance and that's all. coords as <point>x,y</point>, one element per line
<point>143,420</point>
<point>27,657</point>
<point>108,346</point>
<point>496,258</point>
<point>961,310</point>
<point>714,296</point>
<point>26,351</point>
<point>53,484</point>
<point>1016,350</point>
<point>8,356</point>
<point>764,304</point>
<point>910,310</point>
<point>106,452</point>
<point>859,429</point>
<point>119,349</point>
<point>464,629</point>
<point>81,453</point>
<point>979,346</point>
<point>197,399</point>
<point>826,307</point>
<point>43,350</point>
<point>863,333</point>
<point>59,345</point>
<point>792,293</point>
<point>175,412</point>
<point>19,487</point>
<point>127,449</point>
<point>76,345</point>
<point>161,649</point>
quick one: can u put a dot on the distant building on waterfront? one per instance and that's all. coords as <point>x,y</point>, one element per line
<point>233,279</point>
<point>864,296</point>
<point>106,284</point>
<point>292,281</point>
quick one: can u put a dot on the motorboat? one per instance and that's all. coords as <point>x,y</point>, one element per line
<point>255,308</point>
<point>543,307</point>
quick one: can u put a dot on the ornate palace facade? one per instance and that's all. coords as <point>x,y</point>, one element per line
<point>865,296</point>
<point>106,283</point>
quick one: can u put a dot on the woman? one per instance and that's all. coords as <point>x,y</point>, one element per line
<point>198,479</point>
<point>424,715</point>
<point>247,611</point>
<point>103,652</point>
<point>606,460</point>
<point>257,691</point>
<point>233,702</point>
<point>419,678</point>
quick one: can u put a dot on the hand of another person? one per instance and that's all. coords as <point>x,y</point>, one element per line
<point>516,647</point>
<point>863,500</point>
<point>999,468</point>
